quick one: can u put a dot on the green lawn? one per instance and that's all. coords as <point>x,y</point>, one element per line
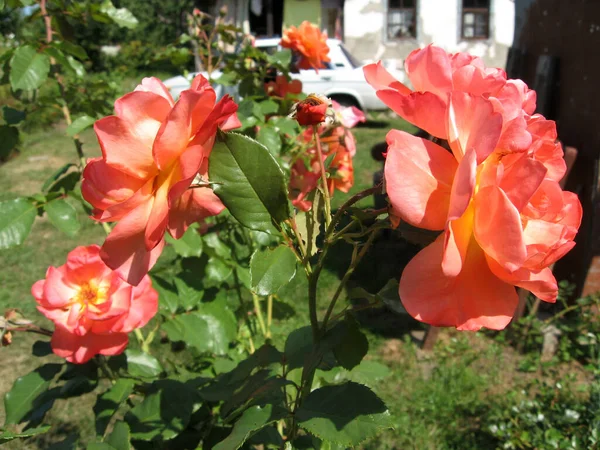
<point>438,399</point>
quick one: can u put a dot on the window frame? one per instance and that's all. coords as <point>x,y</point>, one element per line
<point>389,9</point>
<point>476,11</point>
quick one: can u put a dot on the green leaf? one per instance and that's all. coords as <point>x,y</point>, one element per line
<point>63,216</point>
<point>119,437</point>
<point>121,16</point>
<point>268,107</point>
<point>6,436</point>
<point>66,184</point>
<point>12,116</point>
<point>285,125</point>
<point>248,181</point>
<point>80,124</point>
<point>268,137</point>
<point>56,175</point>
<point>9,139</point>
<point>108,403</point>
<point>16,219</point>
<point>353,347</point>
<point>283,57</point>
<point>190,244</point>
<point>250,422</point>
<point>347,414</point>
<point>217,270</point>
<point>270,270</point>
<point>140,364</point>
<point>20,401</point>
<point>309,224</point>
<point>168,300</point>
<point>72,49</point>
<point>216,247</point>
<point>366,372</point>
<point>99,446</point>
<point>28,68</point>
<point>76,66</point>
<point>210,329</point>
<point>189,297</point>
<point>369,372</point>
<point>298,347</point>
<point>165,411</point>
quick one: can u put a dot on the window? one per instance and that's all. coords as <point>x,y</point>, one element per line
<point>476,19</point>
<point>401,19</point>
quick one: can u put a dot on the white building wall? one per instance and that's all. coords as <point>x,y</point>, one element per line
<point>438,22</point>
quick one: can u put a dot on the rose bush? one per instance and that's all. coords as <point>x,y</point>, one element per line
<point>210,371</point>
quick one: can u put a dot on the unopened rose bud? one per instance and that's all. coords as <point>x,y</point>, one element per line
<point>6,339</point>
<point>313,110</point>
<point>223,11</point>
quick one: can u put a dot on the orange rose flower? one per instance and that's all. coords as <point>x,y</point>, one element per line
<point>495,196</point>
<point>152,150</point>
<point>308,41</point>
<point>92,308</point>
<point>305,172</point>
<point>282,87</point>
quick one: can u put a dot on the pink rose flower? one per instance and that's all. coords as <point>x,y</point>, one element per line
<point>92,308</point>
<point>152,150</point>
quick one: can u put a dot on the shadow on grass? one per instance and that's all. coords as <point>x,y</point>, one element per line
<point>377,124</point>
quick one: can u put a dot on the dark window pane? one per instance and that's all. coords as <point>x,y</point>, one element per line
<point>481,25</point>
<point>476,3</point>
<point>401,23</point>
<point>401,4</point>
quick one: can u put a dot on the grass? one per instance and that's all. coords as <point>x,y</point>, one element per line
<point>437,399</point>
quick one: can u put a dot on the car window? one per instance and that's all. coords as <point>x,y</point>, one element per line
<point>355,62</point>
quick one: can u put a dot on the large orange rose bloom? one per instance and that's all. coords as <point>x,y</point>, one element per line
<point>496,196</point>
<point>152,150</point>
<point>92,308</point>
<point>308,41</point>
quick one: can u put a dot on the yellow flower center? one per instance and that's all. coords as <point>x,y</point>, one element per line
<point>90,293</point>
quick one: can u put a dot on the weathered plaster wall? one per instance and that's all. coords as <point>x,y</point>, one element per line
<point>438,22</point>
<point>295,12</point>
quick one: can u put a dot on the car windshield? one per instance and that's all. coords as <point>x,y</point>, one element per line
<point>353,60</point>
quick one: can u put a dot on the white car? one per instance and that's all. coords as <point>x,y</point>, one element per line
<point>342,80</point>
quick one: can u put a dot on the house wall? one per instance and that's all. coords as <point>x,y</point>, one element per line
<point>297,11</point>
<point>438,22</point>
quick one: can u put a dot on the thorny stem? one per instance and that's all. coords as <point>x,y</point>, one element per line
<point>351,201</point>
<point>61,85</point>
<point>244,310</point>
<point>308,372</point>
<point>31,329</point>
<point>101,359</point>
<point>353,264</point>
<point>259,314</point>
<point>269,315</point>
<point>143,342</point>
<point>106,227</point>
<point>298,237</point>
<point>323,177</point>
